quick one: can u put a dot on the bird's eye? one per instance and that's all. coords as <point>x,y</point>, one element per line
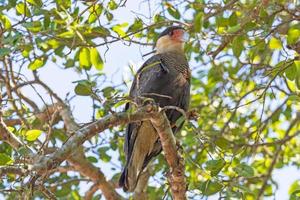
<point>171,33</point>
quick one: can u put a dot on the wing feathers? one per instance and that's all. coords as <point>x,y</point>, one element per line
<point>158,78</point>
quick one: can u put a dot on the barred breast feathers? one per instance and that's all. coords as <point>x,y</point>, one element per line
<point>178,61</point>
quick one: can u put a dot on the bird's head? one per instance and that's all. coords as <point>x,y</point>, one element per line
<point>171,40</point>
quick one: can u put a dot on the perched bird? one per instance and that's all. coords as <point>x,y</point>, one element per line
<point>164,77</point>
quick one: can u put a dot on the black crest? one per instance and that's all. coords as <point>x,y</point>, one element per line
<point>169,30</point>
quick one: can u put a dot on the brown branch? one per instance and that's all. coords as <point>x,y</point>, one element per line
<point>81,164</point>
<point>80,136</point>
<point>89,194</point>
<point>177,177</point>
<point>7,136</point>
<point>11,170</point>
<point>148,112</point>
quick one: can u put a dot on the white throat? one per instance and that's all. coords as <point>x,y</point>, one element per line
<point>165,44</point>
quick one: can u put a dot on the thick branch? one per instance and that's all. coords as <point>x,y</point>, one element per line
<point>149,112</point>
<point>81,164</point>
<point>175,161</point>
<point>85,133</point>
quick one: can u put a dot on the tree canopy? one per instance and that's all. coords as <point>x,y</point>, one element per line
<point>245,98</point>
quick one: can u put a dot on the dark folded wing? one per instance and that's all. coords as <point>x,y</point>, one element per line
<point>153,80</point>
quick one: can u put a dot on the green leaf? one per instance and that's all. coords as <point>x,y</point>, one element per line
<point>215,166</point>
<point>96,59</point>
<point>84,88</point>
<point>101,31</point>
<point>107,91</point>
<point>92,159</point>
<point>95,13</point>
<point>291,72</point>
<point>275,43</point>
<point>4,51</point>
<point>67,34</point>
<point>233,29</point>
<point>137,25</point>
<point>198,22</point>
<point>23,151</point>
<point>237,46</point>
<point>35,26</point>
<point>22,9</point>
<point>5,159</point>
<point>32,135</point>
<point>244,170</point>
<point>38,3</point>
<point>294,98</point>
<point>293,35</point>
<point>5,21</point>
<point>112,5</point>
<point>119,29</point>
<point>295,195</point>
<point>103,154</point>
<point>84,58</point>
<point>210,187</point>
<point>294,187</point>
<point>109,16</point>
<point>173,12</point>
<point>63,3</point>
<point>36,64</point>
<point>120,103</point>
<point>233,19</point>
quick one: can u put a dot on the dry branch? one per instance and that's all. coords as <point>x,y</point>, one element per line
<point>175,161</point>
<point>149,112</point>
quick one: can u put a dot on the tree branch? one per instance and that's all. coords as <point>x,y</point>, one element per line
<point>177,177</point>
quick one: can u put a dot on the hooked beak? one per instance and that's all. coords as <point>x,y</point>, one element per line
<point>185,37</point>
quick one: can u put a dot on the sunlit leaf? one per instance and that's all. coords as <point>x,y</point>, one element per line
<point>5,21</point>
<point>36,64</point>
<point>198,22</point>
<point>5,159</point>
<point>96,59</point>
<point>275,43</point>
<point>63,3</point>
<point>38,3</point>
<point>112,5</point>
<point>92,159</point>
<point>34,26</point>
<point>234,29</point>
<point>293,35</point>
<point>244,170</point>
<point>237,46</point>
<point>84,58</point>
<point>210,187</point>
<point>95,12</point>
<point>32,135</point>
<point>291,71</point>
<point>214,166</point>
<point>23,9</point>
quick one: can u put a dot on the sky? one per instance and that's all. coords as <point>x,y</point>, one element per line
<point>118,58</point>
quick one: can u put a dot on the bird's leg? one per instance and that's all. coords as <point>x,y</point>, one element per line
<point>163,66</point>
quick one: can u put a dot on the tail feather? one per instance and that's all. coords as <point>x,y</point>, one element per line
<point>143,147</point>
